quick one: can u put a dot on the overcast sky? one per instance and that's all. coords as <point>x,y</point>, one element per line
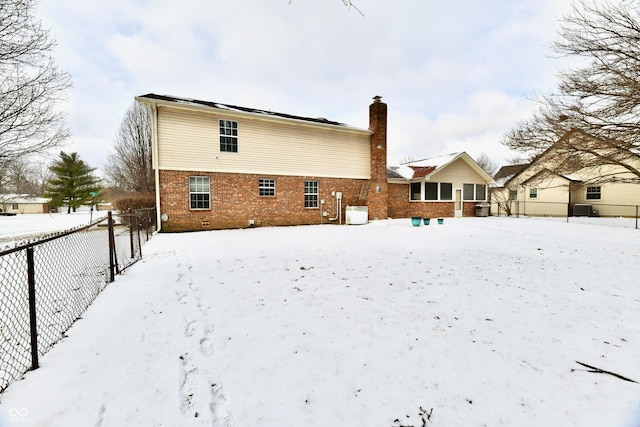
<point>455,75</point>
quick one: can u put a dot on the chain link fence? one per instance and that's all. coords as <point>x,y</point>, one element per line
<point>532,208</point>
<point>48,283</point>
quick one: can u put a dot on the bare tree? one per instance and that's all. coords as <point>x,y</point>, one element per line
<point>594,118</point>
<point>30,84</point>
<point>129,168</point>
<point>22,176</point>
<point>487,164</point>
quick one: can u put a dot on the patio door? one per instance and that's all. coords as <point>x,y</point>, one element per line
<point>458,203</point>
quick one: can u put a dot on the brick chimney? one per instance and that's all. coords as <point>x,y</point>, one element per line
<point>377,195</point>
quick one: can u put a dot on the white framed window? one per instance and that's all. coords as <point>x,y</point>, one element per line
<point>513,194</point>
<point>594,193</point>
<point>199,193</point>
<point>311,194</point>
<point>468,192</point>
<point>533,193</point>
<point>267,187</point>
<point>474,192</point>
<point>430,191</point>
<point>446,191</point>
<point>229,136</point>
<point>481,192</point>
<point>415,191</point>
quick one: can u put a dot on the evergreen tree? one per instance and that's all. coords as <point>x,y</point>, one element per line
<point>72,182</point>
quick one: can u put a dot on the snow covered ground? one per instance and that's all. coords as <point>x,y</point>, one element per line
<point>19,227</point>
<point>476,322</point>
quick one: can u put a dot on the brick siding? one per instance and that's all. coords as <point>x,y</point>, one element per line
<point>235,201</point>
<point>401,207</point>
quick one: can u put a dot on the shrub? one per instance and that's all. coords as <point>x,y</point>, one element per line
<point>131,202</point>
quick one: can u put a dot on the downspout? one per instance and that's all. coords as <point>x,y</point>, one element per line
<point>155,162</point>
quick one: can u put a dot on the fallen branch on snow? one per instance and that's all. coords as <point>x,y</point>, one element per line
<point>602,371</point>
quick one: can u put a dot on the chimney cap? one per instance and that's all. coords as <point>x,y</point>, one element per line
<point>377,98</point>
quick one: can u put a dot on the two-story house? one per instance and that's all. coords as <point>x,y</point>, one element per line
<point>224,166</point>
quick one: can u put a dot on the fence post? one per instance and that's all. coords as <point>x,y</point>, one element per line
<point>146,222</point>
<point>31,278</point>
<point>112,249</point>
<point>131,221</point>
<point>138,224</point>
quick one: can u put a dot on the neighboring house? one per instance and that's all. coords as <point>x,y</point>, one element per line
<point>444,186</point>
<point>546,188</point>
<point>223,166</point>
<point>23,204</point>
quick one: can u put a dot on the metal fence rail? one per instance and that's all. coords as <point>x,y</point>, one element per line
<point>533,208</point>
<point>47,284</point>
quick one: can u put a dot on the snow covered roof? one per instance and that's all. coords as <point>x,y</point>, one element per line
<point>22,198</point>
<point>425,167</point>
<point>505,173</point>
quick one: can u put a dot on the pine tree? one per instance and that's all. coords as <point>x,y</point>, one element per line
<point>72,182</point>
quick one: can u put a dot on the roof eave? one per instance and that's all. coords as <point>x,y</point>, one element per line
<point>250,115</point>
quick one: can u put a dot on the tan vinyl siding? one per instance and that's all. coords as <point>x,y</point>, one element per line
<point>189,140</point>
<point>458,173</point>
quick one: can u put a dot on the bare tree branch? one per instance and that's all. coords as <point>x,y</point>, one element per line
<point>31,86</point>
<point>597,105</point>
<point>129,168</point>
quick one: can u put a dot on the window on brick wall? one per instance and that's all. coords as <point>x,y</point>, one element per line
<point>229,136</point>
<point>311,194</point>
<point>267,187</point>
<point>199,193</point>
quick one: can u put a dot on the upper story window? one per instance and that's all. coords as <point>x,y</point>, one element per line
<point>266,187</point>
<point>199,192</point>
<point>594,193</point>
<point>229,136</point>
<point>533,193</point>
